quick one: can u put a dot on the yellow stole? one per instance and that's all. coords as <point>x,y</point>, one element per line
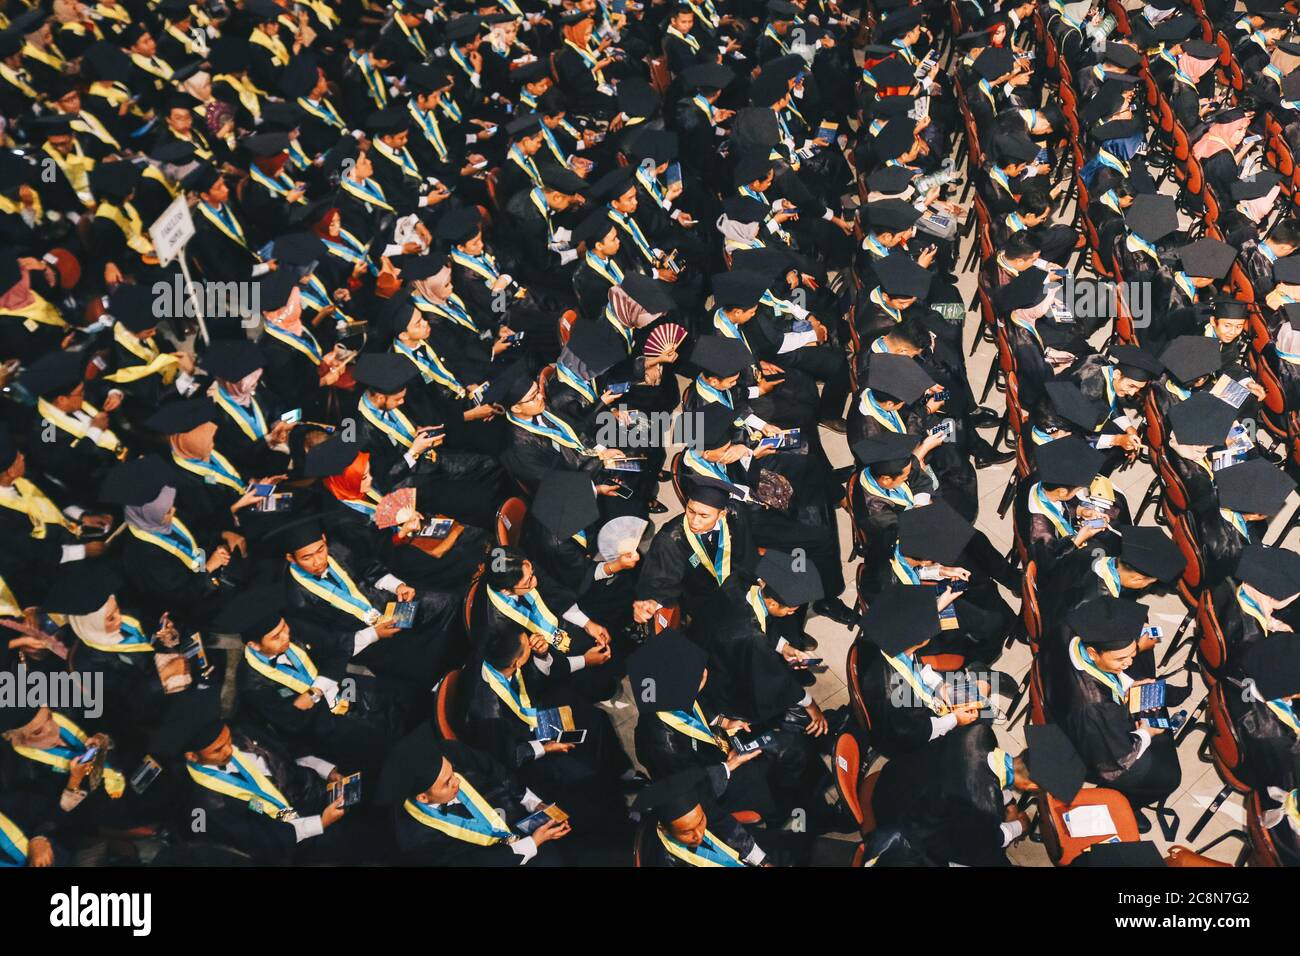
<point>39,311</point>
<point>76,167</point>
<point>64,422</point>
<point>163,364</point>
<point>128,220</point>
<point>39,509</point>
<point>114,782</point>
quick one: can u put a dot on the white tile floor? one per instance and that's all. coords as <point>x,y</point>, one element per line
<point>1200,782</point>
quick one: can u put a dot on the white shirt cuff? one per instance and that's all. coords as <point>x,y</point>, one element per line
<point>72,552</point>
<point>575,616</point>
<point>527,848</point>
<point>941,725</point>
<point>539,748</point>
<point>577,663</point>
<point>1144,741</point>
<point>323,768</point>
<point>756,856</point>
<point>389,583</point>
<point>531,801</point>
<point>363,639</point>
<point>304,828</point>
<point>1010,830</point>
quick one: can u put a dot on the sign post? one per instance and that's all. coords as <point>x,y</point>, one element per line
<point>169,233</point>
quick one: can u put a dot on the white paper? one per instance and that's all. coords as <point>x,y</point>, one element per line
<point>1089,821</point>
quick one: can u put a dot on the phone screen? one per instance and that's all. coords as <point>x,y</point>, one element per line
<point>571,737</point>
<point>292,417</point>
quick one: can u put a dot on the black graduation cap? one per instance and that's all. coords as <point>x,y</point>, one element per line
<point>1208,258</point>
<point>229,54</point>
<point>528,73</point>
<point>650,293</point>
<point>1287,269</point>
<point>1152,552</point>
<point>175,152</point>
<point>721,357</point>
<point>594,228</point>
<point>900,617</point>
<point>508,386</point>
<point>266,144</point>
<point>1116,129</point>
<point>892,107</point>
<point>755,127</point>
<point>1201,49</point>
<point>781,10</point>
<point>200,179</point>
<point>890,180</point>
<point>1273,570</point>
<point>1072,405</point>
<point>565,503</point>
<point>106,61</point>
<point>1254,486</point>
<point>411,767</point>
<point>388,121</point>
<point>666,671</point>
<point>51,124</point>
<point>1121,54</point>
<point>1135,363</point>
<point>1052,761</point>
<point>901,277</point>
<point>899,376</point>
<point>275,288</point>
<point>707,76</point>
<point>252,614</point>
<point>891,215</point>
<point>29,21</point>
<point>298,249</point>
<point>463,27</point>
<point>893,73</point>
<point>1108,623</point>
<point>1014,148</point>
<point>263,10</point>
<point>1128,853</point>
<point>886,446</point>
<point>1190,357</point>
<point>744,209</point>
<point>114,180</point>
<point>187,414</point>
<point>1202,419</point>
<point>527,125</point>
<point>1175,28</point>
<point>133,306</point>
<point>716,426</point>
<point>1068,462</point>
<point>711,492</point>
<point>193,722</point>
<point>768,88</point>
<point>1274,665</point>
<point>384,372</point>
<point>574,15</point>
<point>135,482</point>
<point>934,532</point>
<point>1230,309</point>
<point>1258,185</point>
<point>299,76</point>
<point>672,797</point>
<point>82,587</point>
<point>993,62</point>
<point>598,347</point>
<point>793,587</point>
<point>54,373</point>
<point>739,289</point>
<point>897,137</point>
<point>614,183</point>
<point>899,23</point>
<point>637,98</point>
<point>770,262</point>
<point>561,180</point>
<point>331,457</point>
<point>1152,216</point>
<point>232,359</point>
<point>459,225</point>
<point>657,144</point>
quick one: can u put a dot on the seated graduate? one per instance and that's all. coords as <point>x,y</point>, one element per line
<point>932,552</point>
<point>690,829</point>
<point>674,732</point>
<point>255,797</point>
<point>1059,513</point>
<point>1249,605</point>
<point>350,719</point>
<point>906,700</point>
<point>515,598</point>
<point>1281,818</point>
<point>961,794</point>
<point>1250,494</point>
<point>451,805</point>
<point>137,669</point>
<point>701,562</point>
<point>27,833</point>
<point>1263,713</point>
<point>515,705</point>
<point>332,596</point>
<point>1088,695</point>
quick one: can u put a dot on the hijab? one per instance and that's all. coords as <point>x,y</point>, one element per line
<point>153,515</point>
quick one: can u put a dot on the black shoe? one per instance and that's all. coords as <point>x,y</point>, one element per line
<point>657,507</point>
<point>1144,825</point>
<point>837,425</point>
<point>985,454</point>
<point>983,418</point>
<point>665,475</point>
<point>836,610</point>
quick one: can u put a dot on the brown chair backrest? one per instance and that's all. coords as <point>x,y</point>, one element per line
<point>1212,647</point>
<point>856,703</point>
<point>1029,610</point>
<point>565,328</point>
<point>675,469</point>
<point>447,704</point>
<point>848,772</point>
<point>1037,694</point>
<point>470,595</point>
<point>510,521</point>
<point>1224,746</point>
<point>1263,850</point>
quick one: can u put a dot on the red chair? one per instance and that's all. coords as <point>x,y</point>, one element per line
<point>1225,753</point>
<point>446,705</point>
<point>857,704</point>
<point>510,521</point>
<point>855,788</point>
<point>1063,849</point>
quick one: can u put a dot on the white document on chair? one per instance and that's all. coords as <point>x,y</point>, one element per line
<point>1089,821</point>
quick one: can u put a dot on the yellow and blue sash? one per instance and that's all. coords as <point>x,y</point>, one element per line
<point>719,565</point>
<point>294,670</point>
<point>72,745</point>
<point>692,724</point>
<point>483,827</point>
<point>215,470</point>
<point>251,423</point>
<point>336,589</point>
<point>133,640</point>
<point>1079,657</point>
<point>246,785</point>
<point>305,343</point>
<point>13,844</point>
<point>710,852</point>
<point>531,613</point>
<point>178,542</point>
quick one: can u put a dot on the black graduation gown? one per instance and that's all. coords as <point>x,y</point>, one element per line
<point>671,574</point>
<point>900,723</point>
<point>1270,749</point>
<point>947,795</point>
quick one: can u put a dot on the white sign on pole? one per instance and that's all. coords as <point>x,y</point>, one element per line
<point>172,230</point>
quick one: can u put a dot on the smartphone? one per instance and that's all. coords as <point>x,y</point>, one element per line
<point>1153,631</point>
<point>514,338</point>
<point>89,755</point>
<point>811,662</point>
<point>261,488</point>
<point>758,742</point>
<point>964,692</point>
<point>619,388</point>
<point>539,818</point>
<point>571,737</point>
<point>947,428</point>
<point>438,529</point>
<point>801,325</point>
<point>145,774</point>
<point>292,417</point>
<point>1095,523</point>
<point>270,504</point>
<point>621,490</point>
<point>349,788</point>
<point>674,174</point>
<point>401,614</point>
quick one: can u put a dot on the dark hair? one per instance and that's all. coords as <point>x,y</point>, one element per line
<point>891,468</point>
<point>1035,202</point>
<point>1021,244</point>
<point>505,567</point>
<point>1287,231</point>
<point>912,332</point>
<point>502,647</point>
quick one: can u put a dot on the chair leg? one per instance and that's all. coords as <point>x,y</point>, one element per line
<point>1181,636</point>
<point>1168,820</point>
<point>1192,722</point>
<point>1223,837</point>
<point>1209,813</point>
<point>989,382</point>
<point>1008,496</point>
<point>1003,429</point>
<point>1148,499</point>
